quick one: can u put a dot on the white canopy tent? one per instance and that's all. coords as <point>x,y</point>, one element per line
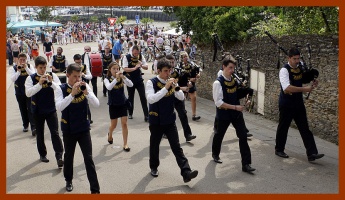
<point>173,32</point>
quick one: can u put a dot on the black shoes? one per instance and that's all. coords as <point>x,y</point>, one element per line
<point>217,159</point>
<point>247,168</point>
<point>44,159</point>
<point>33,132</point>
<point>91,121</point>
<point>312,157</point>
<point>195,118</point>
<point>105,95</point>
<point>126,149</point>
<point>190,137</point>
<point>110,141</point>
<point>190,175</point>
<point>25,129</point>
<point>249,135</point>
<point>281,154</point>
<point>130,117</point>
<point>69,186</point>
<point>95,192</point>
<point>60,163</point>
<point>154,172</point>
<point>146,119</point>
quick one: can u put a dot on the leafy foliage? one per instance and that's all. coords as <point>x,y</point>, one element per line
<point>146,21</point>
<point>241,23</point>
<point>121,19</point>
<point>44,14</point>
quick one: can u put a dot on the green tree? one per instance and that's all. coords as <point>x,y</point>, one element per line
<point>146,21</point>
<point>44,14</point>
<point>74,18</point>
<point>173,24</point>
<point>241,23</point>
<point>93,19</point>
<point>121,19</point>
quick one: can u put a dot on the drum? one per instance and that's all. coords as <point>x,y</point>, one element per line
<point>62,76</point>
<point>96,64</point>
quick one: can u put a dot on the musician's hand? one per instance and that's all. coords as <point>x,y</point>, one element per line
<point>122,76</point>
<point>239,108</point>
<point>192,79</point>
<point>169,83</point>
<point>247,103</point>
<point>189,84</point>
<point>117,75</point>
<point>197,76</point>
<point>75,89</point>
<point>315,83</point>
<point>54,69</point>
<point>42,79</point>
<point>50,78</point>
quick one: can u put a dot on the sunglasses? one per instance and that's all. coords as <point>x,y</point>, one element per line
<point>87,49</point>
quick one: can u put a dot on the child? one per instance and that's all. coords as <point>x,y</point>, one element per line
<point>115,82</point>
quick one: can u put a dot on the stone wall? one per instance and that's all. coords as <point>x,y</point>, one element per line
<point>322,106</point>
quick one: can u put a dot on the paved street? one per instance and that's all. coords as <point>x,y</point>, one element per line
<point>128,172</point>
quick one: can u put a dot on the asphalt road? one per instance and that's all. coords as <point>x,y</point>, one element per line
<point>128,172</point>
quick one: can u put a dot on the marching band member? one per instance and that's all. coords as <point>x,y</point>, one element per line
<point>59,64</point>
<point>40,87</point>
<point>132,65</point>
<point>291,106</point>
<point>229,110</point>
<point>72,99</point>
<point>115,82</point>
<point>161,95</point>
<point>191,75</point>
<point>19,72</point>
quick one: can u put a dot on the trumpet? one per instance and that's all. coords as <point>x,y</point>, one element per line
<point>82,87</point>
<point>175,85</point>
<point>47,81</point>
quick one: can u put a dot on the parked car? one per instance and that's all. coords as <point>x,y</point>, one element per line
<point>71,12</point>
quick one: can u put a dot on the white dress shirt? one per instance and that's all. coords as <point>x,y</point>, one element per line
<point>110,86</point>
<point>14,75</point>
<point>284,77</point>
<point>61,103</point>
<point>87,74</point>
<point>125,61</point>
<point>153,97</point>
<point>218,92</point>
<point>31,90</point>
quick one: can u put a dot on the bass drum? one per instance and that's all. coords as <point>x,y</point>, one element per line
<point>96,64</point>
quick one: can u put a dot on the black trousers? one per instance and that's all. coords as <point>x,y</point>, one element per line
<point>215,125</point>
<point>88,107</point>
<point>141,90</point>
<point>300,116</point>
<point>52,122</point>
<point>238,123</point>
<point>94,84</point>
<point>24,103</point>
<point>181,110</point>
<point>10,58</point>
<point>85,143</point>
<point>172,135</point>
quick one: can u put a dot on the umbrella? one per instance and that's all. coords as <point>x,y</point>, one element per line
<point>31,24</point>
